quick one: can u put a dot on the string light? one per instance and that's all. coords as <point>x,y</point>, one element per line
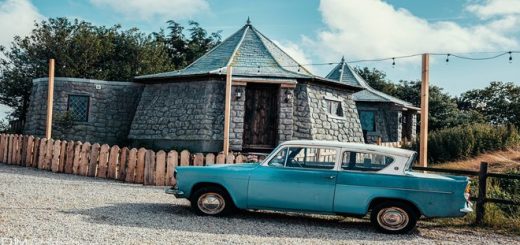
<point>447,55</point>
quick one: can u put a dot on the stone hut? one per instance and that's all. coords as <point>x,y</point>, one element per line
<point>274,99</point>
<point>381,115</point>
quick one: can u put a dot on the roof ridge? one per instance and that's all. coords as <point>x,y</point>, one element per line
<point>216,46</point>
<point>257,32</point>
<point>232,57</point>
<point>365,84</point>
<point>341,71</point>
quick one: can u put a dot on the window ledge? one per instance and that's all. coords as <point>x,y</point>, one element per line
<point>336,117</point>
<point>332,98</point>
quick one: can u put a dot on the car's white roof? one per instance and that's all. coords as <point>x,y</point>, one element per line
<point>354,146</point>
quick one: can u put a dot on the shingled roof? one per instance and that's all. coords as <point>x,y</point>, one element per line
<point>344,73</point>
<point>251,54</point>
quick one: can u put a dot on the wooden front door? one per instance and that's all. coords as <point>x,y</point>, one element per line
<point>261,114</point>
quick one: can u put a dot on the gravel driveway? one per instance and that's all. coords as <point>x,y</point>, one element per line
<point>42,207</point>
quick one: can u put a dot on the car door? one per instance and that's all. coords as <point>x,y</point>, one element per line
<point>296,178</point>
<point>358,180</point>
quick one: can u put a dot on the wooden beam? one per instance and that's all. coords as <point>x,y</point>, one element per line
<point>227,109</point>
<point>253,80</point>
<point>239,83</point>
<point>423,141</point>
<point>50,99</point>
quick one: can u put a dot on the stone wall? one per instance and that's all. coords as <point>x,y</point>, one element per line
<point>181,115</point>
<point>286,114</point>
<point>410,127</point>
<point>236,126</point>
<point>389,122</point>
<point>302,117</point>
<point>312,121</point>
<point>111,109</point>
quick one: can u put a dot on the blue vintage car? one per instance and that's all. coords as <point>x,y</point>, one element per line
<point>331,178</point>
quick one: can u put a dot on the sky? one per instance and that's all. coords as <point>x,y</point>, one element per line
<point>322,31</point>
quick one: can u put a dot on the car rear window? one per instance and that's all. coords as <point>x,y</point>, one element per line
<point>362,161</point>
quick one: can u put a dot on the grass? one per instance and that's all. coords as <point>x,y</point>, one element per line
<point>495,218</point>
<point>499,161</point>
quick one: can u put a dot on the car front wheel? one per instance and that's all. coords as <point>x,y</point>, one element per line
<point>212,201</point>
<point>394,217</point>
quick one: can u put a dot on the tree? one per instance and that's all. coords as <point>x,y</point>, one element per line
<point>444,111</point>
<point>97,52</point>
<point>81,50</point>
<point>499,102</point>
<point>377,80</point>
<point>182,50</point>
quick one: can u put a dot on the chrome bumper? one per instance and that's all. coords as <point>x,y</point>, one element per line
<point>174,191</point>
<point>467,208</point>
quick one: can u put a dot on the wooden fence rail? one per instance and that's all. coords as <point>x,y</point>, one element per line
<point>130,165</point>
<point>482,176</point>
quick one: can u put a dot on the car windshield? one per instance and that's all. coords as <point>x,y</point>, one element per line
<point>270,155</point>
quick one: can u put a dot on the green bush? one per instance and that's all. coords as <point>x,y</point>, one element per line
<point>466,141</point>
<point>507,189</point>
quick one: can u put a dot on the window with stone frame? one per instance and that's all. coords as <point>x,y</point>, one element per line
<point>334,107</point>
<point>78,107</point>
<point>368,120</point>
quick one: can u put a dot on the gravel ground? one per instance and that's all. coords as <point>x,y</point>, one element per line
<point>42,207</point>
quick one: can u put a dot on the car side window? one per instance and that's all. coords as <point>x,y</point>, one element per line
<point>361,161</point>
<point>311,157</point>
<point>279,159</point>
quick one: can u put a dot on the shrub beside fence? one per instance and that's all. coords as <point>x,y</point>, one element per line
<point>467,141</point>
<point>133,165</point>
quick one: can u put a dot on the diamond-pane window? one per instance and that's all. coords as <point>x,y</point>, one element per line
<point>78,107</point>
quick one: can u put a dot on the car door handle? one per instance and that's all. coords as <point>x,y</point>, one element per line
<point>331,177</point>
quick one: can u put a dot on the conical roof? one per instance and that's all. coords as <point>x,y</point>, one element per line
<point>250,53</point>
<point>344,73</point>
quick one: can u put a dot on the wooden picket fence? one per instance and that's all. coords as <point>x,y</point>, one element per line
<point>141,165</point>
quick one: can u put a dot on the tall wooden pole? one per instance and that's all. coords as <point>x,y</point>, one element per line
<point>227,109</point>
<point>423,141</point>
<point>50,99</point>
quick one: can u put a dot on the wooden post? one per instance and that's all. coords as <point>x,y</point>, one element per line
<point>50,99</point>
<point>481,198</point>
<point>423,141</point>
<point>227,109</point>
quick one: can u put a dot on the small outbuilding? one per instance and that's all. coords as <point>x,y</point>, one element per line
<point>381,115</point>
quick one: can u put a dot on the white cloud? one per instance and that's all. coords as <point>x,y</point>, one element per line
<point>495,7</point>
<point>148,9</point>
<point>296,52</point>
<point>362,29</point>
<point>16,18</point>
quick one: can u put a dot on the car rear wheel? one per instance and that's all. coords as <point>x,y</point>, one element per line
<point>394,217</point>
<point>211,201</point>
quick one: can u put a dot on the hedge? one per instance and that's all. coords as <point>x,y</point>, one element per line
<point>466,141</point>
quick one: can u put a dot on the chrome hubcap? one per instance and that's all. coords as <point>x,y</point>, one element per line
<point>392,218</point>
<point>211,203</point>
